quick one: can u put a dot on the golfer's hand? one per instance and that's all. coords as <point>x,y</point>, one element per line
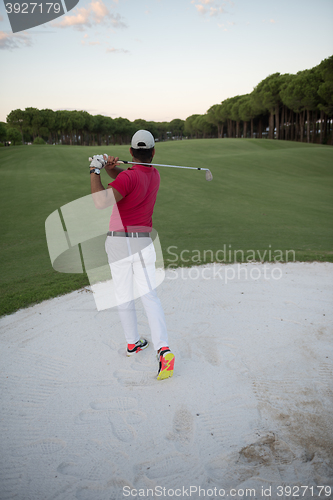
<point>95,164</point>
<point>111,163</point>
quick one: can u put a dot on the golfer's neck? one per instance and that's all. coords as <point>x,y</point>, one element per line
<point>139,161</point>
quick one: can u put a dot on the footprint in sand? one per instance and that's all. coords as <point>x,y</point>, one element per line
<point>173,468</point>
<point>182,429</point>
<point>121,413</point>
<point>325,384</point>
<point>193,335</point>
<point>135,379</point>
<point>41,447</point>
<point>174,464</point>
<point>113,491</point>
<point>88,469</point>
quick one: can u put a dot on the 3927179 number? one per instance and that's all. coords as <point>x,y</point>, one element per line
<point>30,8</point>
<point>301,491</point>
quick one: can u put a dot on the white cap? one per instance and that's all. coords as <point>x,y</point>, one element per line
<point>142,139</point>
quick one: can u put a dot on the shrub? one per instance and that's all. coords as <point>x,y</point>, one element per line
<point>39,140</point>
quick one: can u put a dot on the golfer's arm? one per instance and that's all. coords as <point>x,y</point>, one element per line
<point>102,197</point>
<point>113,172</point>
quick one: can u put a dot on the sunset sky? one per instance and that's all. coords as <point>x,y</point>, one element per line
<point>158,59</point>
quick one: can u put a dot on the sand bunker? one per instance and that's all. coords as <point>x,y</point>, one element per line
<point>249,407</point>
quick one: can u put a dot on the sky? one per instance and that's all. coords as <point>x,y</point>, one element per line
<point>158,59</point>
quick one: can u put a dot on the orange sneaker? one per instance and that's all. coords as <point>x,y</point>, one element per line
<point>137,347</point>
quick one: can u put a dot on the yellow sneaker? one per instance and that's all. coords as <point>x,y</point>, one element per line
<point>166,363</point>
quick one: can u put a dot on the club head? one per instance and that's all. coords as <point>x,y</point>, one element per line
<point>209,176</point>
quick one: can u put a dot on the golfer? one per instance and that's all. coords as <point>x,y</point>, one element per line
<point>129,246</point>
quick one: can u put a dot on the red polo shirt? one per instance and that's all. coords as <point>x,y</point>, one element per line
<point>138,186</point>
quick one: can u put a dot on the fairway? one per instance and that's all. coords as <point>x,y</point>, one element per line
<point>268,199</point>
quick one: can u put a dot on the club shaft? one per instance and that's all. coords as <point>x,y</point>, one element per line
<point>209,176</point>
<point>159,165</point>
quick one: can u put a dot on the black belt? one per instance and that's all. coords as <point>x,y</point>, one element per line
<point>129,235</point>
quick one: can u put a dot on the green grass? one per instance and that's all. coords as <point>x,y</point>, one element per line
<point>266,195</point>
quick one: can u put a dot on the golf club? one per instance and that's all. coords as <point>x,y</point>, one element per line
<point>209,176</point>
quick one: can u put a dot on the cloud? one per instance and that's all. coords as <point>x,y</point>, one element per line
<point>223,26</point>
<point>1,18</point>
<point>95,13</point>
<point>9,41</point>
<point>90,43</point>
<point>211,7</point>
<point>214,11</point>
<point>112,50</point>
<point>201,9</point>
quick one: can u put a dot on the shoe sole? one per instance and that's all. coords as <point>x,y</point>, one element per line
<point>138,350</point>
<point>168,362</point>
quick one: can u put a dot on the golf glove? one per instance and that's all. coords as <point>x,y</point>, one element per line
<point>97,163</point>
<point>102,161</point>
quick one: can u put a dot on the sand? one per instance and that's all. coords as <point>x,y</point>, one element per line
<point>248,412</point>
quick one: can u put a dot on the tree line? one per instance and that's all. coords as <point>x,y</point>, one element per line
<point>78,128</point>
<point>291,107</point>
<point>296,107</point>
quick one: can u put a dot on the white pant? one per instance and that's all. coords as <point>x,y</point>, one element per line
<point>132,263</point>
